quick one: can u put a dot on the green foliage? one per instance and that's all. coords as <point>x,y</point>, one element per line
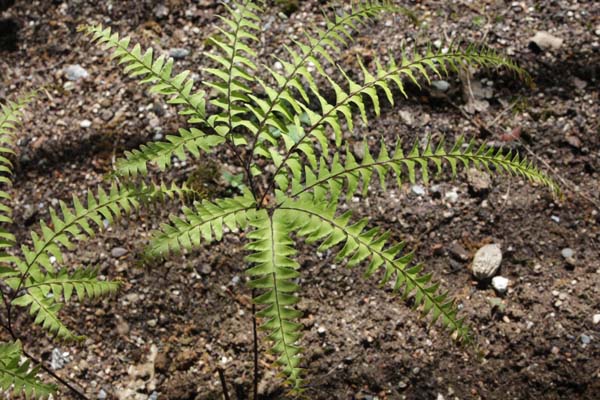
<point>17,376</point>
<point>287,129</point>
<point>265,116</point>
<point>38,279</point>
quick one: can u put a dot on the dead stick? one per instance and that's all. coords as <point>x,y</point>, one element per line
<point>223,383</point>
<point>255,339</point>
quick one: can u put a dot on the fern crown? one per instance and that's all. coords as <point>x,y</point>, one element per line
<point>287,126</point>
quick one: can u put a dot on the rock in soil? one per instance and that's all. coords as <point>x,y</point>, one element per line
<point>545,41</point>
<point>487,261</point>
<point>500,284</point>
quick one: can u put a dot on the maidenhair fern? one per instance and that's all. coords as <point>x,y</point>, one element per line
<point>289,135</point>
<point>287,125</point>
<point>36,277</point>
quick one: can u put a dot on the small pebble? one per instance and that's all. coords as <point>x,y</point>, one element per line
<point>567,252</point>
<point>596,319</point>
<point>555,218</point>
<point>487,261</point>
<point>321,331</point>
<point>585,340</point>
<point>179,53</point>
<point>441,86</point>
<point>500,284</point>
<point>86,123</point>
<point>418,190</point>
<point>118,252</point>
<point>75,72</point>
<point>452,196</point>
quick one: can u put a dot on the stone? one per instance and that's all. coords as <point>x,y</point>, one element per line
<point>59,359</point>
<point>179,53</point>
<point>321,331</point>
<point>75,72</point>
<point>440,86</point>
<point>479,181</point>
<point>407,117</point>
<point>596,319</point>
<point>487,261</point>
<point>567,252</point>
<point>102,395</point>
<point>585,340</point>
<point>545,41</point>
<point>452,196</point>
<point>205,269</point>
<point>458,252</point>
<point>418,190</point>
<point>118,252</point>
<point>86,123</point>
<point>161,11</point>
<point>500,284</point>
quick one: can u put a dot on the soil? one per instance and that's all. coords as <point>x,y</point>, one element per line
<point>174,323</point>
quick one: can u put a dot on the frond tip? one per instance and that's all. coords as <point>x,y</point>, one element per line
<point>351,174</point>
<point>156,71</point>
<point>315,219</point>
<point>273,272</point>
<point>18,377</point>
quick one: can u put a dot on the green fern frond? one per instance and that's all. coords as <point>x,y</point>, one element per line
<point>273,272</point>
<point>43,294</point>
<point>273,111</point>
<point>76,224</point>
<point>315,218</point>
<point>10,116</point>
<point>383,79</point>
<point>18,377</point>
<point>156,71</point>
<point>45,309</point>
<point>331,177</point>
<point>236,66</point>
<point>203,223</point>
<point>192,141</point>
<point>83,282</point>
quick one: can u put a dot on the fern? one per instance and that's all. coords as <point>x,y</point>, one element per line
<point>38,280</point>
<point>289,135</point>
<point>17,376</point>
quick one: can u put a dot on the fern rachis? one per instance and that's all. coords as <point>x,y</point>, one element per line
<point>281,121</point>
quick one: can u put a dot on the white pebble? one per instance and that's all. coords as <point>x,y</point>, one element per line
<point>500,284</point>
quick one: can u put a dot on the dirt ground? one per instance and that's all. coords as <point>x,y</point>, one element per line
<point>174,323</point>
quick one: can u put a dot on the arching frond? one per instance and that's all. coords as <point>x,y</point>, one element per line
<point>297,137</point>
<point>237,69</point>
<point>205,222</point>
<point>333,177</point>
<point>192,141</point>
<point>62,284</point>
<point>19,377</point>
<point>315,218</point>
<point>43,295</point>
<point>273,271</point>
<point>156,71</point>
<point>10,116</point>
<point>36,273</point>
<point>272,112</point>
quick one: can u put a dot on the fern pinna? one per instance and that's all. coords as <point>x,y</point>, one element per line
<point>36,277</point>
<point>289,135</point>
